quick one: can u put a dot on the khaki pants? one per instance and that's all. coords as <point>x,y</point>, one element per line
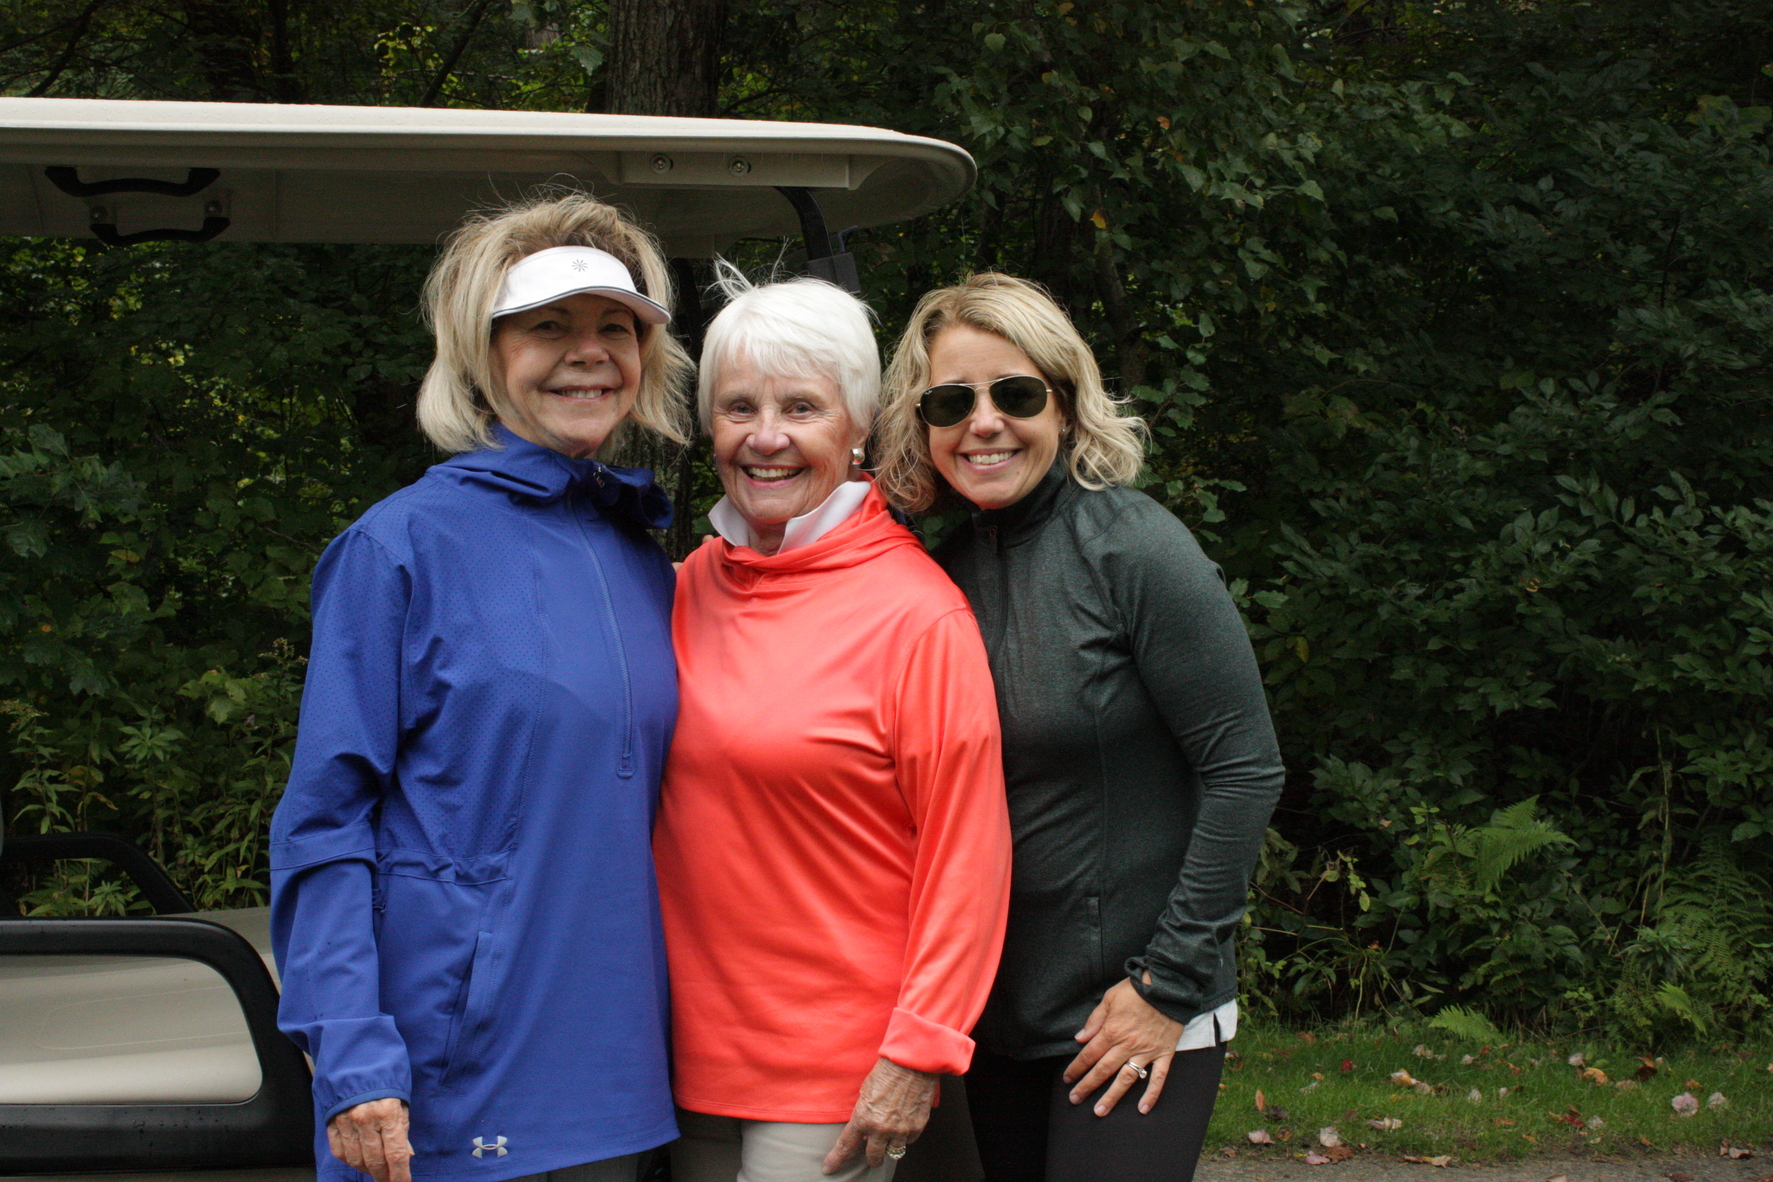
<point>726,1149</point>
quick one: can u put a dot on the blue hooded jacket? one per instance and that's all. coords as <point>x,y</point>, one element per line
<point>463,905</point>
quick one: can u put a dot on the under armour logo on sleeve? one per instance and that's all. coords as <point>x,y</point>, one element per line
<point>497,1148</point>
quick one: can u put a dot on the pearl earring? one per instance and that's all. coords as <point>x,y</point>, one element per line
<point>857,455</point>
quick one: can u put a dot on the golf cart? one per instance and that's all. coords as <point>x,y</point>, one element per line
<point>147,1046</point>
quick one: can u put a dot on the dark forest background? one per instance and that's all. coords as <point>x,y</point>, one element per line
<point>1453,321</point>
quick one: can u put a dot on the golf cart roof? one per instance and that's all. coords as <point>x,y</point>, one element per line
<point>299,173</point>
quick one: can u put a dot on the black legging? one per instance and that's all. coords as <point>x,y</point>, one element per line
<point>1028,1130</point>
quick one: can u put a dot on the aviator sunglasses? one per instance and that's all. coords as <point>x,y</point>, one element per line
<point>1019,397</point>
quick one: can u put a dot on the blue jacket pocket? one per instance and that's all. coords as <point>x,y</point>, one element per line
<point>435,942</point>
<point>470,1018</point>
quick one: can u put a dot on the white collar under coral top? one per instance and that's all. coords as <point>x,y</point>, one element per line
<point>836,509</point>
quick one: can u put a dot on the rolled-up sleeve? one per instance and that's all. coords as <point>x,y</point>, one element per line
<point>949,761</point>
<point>1195,659</point>
<point>323,846</point>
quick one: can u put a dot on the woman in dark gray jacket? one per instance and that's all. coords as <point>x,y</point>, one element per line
<point>1139,758</point>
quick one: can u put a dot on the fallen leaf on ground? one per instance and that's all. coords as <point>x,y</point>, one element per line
<point>1716,1101</point>
<point>1477,1096</point>
<point>1467,1061</point>
<point>1685,1104</point>
<point>1595,1122</point>
<point>1421,1088</point>
<point>1645,1140</point>
<point>1276,1113</point>
<point>1328,1137</point>
<point>1422,1052</point>
<point>1503,1123</point>
<point>1386,1124</point>
<point>1348,1065</point>
<point>1645,1072</point>
<point>1694,1085</point>
<point>1307,1037</point>
<point>1440,1161</point>
<point>1260,1137</point>
<point>1734,1152</point>
<point>1316,1159</point>
<point>1311,1086</point>
<point>1576,1060</point>
<point>1677,1176</point>
<point>1626,1085</point>
<point>1403,1079</point>
<point>1339,1153</point>
<point>1502,1093</point>
<point>1261,1101</point>
<point>1594,1075</point>
<point>1558,1178</point>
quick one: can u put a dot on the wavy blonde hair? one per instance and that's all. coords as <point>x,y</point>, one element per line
<point>1100,445</point>
<point>459,398</point>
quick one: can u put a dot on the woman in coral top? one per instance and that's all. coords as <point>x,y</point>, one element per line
<point>832,845</point>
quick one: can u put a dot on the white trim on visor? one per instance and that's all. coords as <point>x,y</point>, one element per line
<point>561,271</point>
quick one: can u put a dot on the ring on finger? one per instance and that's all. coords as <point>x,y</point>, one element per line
<point>1141,1072</point>
<point>896,1152</point>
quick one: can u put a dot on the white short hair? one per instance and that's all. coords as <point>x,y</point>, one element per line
<point>798,327</point>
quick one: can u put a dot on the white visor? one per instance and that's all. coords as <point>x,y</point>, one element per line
<point>561,271</point>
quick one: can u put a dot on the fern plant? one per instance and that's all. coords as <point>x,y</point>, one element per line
<point>1704,958</point>
<point>1466,1023</point>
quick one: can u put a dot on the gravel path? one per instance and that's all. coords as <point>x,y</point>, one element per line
<point>1378,1169</point>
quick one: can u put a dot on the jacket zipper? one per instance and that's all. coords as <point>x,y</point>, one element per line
<point>625,768</point>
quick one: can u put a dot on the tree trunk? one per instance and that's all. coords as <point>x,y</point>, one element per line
<point>286,87</point>
<point>1129,335</point>
<point>664,57</point>
<point>225,38</point>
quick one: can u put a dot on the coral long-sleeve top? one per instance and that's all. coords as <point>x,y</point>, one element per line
<point>833,845</point>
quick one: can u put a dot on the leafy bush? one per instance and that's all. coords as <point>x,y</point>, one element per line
<point>176,456</point>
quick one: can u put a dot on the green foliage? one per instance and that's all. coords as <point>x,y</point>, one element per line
<point>1466,1023</point>
<point>1452,323</point>
<point>178,451</point>
<point>1521,522</point>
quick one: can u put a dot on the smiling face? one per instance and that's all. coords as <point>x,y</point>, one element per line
<point>781,444</point>
<point>989,458</point>
<point>569,371</point>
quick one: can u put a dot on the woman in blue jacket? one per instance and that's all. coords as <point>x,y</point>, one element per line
<point>463,903</point>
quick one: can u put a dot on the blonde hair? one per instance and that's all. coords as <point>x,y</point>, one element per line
<point>460,398</point>
<point>1100,445</point>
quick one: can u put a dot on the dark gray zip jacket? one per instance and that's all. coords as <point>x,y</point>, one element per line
<point>1139,759</point>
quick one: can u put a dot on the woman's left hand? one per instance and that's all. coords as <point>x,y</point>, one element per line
<point>1123,1029</point>
<point>892,1110</point>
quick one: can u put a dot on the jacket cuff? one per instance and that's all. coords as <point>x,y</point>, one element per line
<point>350,1102</point>
<point>922,1045</point>
<point>356,1059</point>
<point>1180,1001</point>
